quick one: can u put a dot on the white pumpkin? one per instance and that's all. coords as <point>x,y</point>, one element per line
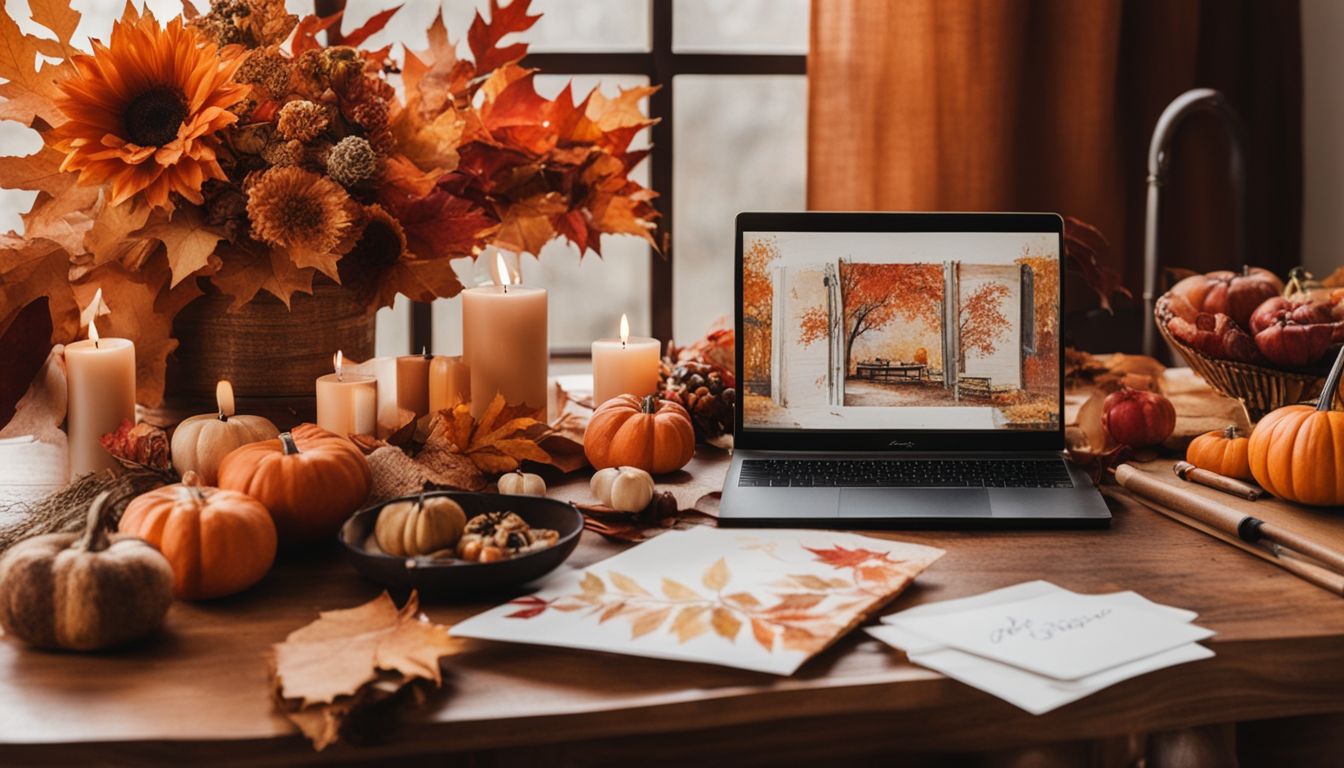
<point>624,489</point>
<point>201,442</point>
<point>522,484</point>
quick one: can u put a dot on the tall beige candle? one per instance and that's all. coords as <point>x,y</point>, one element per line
<point>449,383</point>
<point>504,343</point>
<point>347,403</point>
<point>413,383</point>
<point>101,375</point>
<point>624,366</point>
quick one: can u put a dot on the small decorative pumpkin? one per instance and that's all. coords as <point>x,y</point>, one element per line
<point>651,434</point>
<point>201,442</point>
<point>84,592</point>
<point>1297,452</point>
<point>624,489</point>
<point>310,480</point>
<point>1222,451</point>
<point>419,527</point>
<point>522,484</point>
<point>218,542</point>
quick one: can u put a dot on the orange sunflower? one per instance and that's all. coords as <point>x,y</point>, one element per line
<point>144,111</point>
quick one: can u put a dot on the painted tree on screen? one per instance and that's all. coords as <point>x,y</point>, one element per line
<point>757,300</point>
<point>1040,368</point>
<point>875,295</point>
<point>981,322</point>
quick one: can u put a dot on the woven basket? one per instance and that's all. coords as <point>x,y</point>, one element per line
<point>1261,389</point>
<point>271,354</point>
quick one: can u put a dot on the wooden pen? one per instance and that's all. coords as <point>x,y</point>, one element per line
<point>1189,472</point>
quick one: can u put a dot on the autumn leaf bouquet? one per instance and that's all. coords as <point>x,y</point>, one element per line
<point>233,152</point>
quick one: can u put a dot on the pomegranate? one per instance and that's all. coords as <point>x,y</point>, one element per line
<point>1137,417</point>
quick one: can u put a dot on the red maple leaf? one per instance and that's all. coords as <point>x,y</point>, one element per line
<point>483,36</point>
<point>442,225</point>
<point>839,557</point>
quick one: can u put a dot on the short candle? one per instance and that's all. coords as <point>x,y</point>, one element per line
<point>347,403</point>
<point>624,366</point>
<point>449,383</point>
<point>413,382</point>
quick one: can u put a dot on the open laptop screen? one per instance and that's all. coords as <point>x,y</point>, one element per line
<point>895,331</point>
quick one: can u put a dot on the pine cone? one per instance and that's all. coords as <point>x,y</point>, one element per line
<point>702,390</point>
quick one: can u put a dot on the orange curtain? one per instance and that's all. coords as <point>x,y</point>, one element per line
<point>1049,105</point>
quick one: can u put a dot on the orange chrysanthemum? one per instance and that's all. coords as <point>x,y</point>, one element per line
<point>144,111</point>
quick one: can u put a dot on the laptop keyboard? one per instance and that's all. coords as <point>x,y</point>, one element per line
<point>904,473</point>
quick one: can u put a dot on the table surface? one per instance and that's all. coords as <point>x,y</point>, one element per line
<point>199,690</point>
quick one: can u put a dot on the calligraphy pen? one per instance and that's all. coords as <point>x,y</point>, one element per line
<point>1308,559</point>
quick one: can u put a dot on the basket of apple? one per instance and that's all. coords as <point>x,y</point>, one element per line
<point>1251,340</point>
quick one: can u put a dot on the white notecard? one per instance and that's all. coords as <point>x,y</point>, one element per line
<point>1058,634</point>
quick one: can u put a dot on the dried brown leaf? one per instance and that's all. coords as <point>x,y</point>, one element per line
<point>343,650</point>
<point>141,443</point>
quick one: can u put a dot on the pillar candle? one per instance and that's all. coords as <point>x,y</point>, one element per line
<point>413,383</point>
<point>449,383</point>
<point>504,343</point>
<point>624,366</point>
<point>101,376</point>
<point>347,403</point>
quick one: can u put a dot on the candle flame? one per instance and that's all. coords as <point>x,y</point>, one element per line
<point>504,274</point>
<point>93,332</point>
<point>337,362</point>
<point>224,398</point>
<point>625,329</point>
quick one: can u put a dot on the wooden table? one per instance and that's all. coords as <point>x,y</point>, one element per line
<point>197,694</point>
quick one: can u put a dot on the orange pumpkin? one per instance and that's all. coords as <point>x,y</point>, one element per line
<point>651,434</point>
<point>1222,451</point>
<point>217,542</point>
<point>310,479</point>
<point>1297,452</point>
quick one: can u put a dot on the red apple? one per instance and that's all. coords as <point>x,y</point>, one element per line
<point>1137,418</point>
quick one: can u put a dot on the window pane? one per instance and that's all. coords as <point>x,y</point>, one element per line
<point>741,145</point>
<point>740,26</point>
<point>586,296</point>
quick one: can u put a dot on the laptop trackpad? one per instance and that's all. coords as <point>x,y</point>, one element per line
<point>900,503</point>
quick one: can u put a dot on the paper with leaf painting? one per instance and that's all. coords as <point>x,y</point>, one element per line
<point>764,600</point>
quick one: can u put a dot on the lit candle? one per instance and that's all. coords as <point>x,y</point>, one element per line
<point>504,342</point>
<point>347,403</point>
<point>624,366</point>
<point>413,382</point>
<point>101,376</point>
<point>449,383</point>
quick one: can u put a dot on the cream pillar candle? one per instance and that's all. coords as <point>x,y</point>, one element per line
<point>413,383</point>
<point>449,383</point>
<point>347,403</point>
<point>624,366</point>
<point>101,376</point>
<point>504,343</point>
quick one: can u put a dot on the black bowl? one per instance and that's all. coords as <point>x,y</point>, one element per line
<point>461,579</point>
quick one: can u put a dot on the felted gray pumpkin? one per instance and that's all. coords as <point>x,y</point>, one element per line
<point>84,591</point>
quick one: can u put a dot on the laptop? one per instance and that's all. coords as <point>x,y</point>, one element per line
<point>902,370</point>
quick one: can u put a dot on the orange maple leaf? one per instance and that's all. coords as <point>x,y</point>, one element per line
<point>840,557</point>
